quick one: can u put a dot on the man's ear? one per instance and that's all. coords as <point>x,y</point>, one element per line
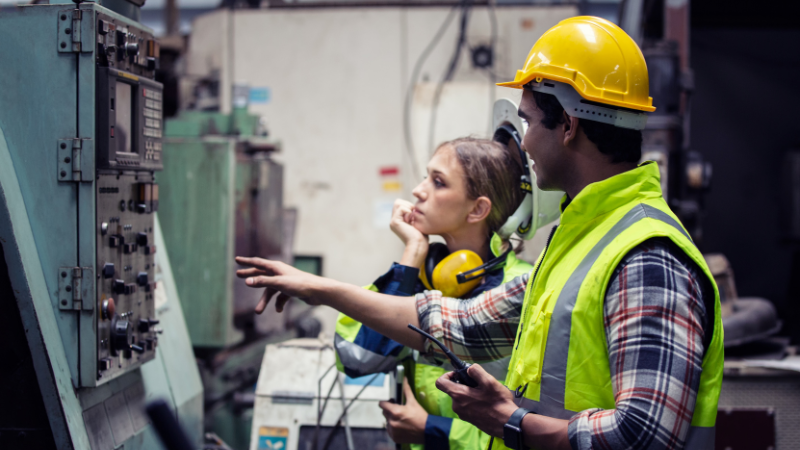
<point>481,210</point>
<point>570,128</point>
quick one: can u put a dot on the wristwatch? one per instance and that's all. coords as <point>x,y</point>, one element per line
<point>512,430</point>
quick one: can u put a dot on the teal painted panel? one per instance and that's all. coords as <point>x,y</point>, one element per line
<point>176,352</point>
<point>41,84</point>
<point>197,215</point>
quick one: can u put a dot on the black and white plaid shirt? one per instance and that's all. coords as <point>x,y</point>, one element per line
<point>655,317</point>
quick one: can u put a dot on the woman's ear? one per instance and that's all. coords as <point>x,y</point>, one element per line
<point>480,211</point>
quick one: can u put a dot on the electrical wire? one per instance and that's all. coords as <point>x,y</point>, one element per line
<point>321,409</point>
<point>344,412</point>
<point>465,7</point>
<point>410,91</point>
<point>489,71</point>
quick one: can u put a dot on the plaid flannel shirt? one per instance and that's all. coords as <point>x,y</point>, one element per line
<point>655,317</point>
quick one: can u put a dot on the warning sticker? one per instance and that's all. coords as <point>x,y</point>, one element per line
<point>272,438</point>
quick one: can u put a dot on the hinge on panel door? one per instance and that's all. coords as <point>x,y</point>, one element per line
<point>75,32</point>
<point>71,165</point>
<point>75,288</point>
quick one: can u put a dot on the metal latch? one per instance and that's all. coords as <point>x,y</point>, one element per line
<point>75,31</point>
<point>72,163</point>
<point>75,288</point>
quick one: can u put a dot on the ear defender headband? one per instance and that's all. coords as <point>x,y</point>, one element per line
<point>538,207</point>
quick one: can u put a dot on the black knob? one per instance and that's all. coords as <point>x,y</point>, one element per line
<point>120,335</point>
<point>141,239</point>
<point>141,279</point>
<point>152,63</point>
<point>141,208</point>
<point>137,349</point>
<point>132,48</point>
<point>108,270</point>
<point>119,286</point>
<point>149,343</point>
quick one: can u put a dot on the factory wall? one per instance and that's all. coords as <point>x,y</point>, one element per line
<point>744,123</point>
<point>336,81</point>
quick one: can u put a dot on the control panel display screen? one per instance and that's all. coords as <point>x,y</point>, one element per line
<point>124,110</point>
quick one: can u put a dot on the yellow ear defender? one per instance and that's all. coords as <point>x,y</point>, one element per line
<point>455,274</point>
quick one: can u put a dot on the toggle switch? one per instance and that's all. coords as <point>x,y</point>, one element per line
<point>137,348</point>
<point>145,324</point>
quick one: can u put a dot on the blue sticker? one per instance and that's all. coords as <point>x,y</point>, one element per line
<point>272,438</point>
<point>362,381</point>
<point>259,95</point>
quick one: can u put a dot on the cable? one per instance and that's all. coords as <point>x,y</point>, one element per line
<point>344,412</point>
<point>410,91</point>
<point>465,6</point>
<point>489,71</point>
<point>321,410</point>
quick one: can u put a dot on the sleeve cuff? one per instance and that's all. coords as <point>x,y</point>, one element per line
<point>406,278</point>
<point>437,432</point>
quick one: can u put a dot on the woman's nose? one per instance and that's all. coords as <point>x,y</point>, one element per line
<point>419,192</point>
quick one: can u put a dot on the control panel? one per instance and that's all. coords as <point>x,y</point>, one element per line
<point>128,155</point>
<point>127,329</point>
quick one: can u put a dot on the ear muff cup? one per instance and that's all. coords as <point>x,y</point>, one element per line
<point>442,269</point>
<point>436,253</point>
<point>445,275</point>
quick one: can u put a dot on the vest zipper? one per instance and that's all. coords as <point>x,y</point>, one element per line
<point>533,281</point>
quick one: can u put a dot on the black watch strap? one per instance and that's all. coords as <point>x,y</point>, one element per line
<point>512,430</point>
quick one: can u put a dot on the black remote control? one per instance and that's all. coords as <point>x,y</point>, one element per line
<point>461,367</point>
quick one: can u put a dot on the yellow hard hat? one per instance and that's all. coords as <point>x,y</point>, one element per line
<point>594,56</point>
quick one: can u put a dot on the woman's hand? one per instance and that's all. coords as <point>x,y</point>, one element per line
<point>402,224</point>
<point>405,423</point>
<point>282,279</point>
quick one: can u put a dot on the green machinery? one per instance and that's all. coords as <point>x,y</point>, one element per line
<point>90,316</point>
<point>221,195</point>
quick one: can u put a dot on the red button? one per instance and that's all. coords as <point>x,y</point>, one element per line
<point>112,131</point>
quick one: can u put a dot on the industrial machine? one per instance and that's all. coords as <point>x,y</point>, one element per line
<point>80,149</point>
<point>308,400</point>
<point>221,195</point>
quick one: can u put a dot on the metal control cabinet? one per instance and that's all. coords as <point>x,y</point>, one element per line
<point>80,150</point>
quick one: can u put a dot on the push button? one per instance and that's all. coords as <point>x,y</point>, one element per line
<point>141,279</point>
<point>108,270</point>
<point>116,241</point>
<point>119,286</point>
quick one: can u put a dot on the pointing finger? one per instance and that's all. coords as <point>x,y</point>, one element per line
<point>262,303</point>
<point>280,301</point>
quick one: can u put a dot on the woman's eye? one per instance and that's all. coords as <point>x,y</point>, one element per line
<point>437,182</point>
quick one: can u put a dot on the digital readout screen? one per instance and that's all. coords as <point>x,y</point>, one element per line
<point>124,111</point>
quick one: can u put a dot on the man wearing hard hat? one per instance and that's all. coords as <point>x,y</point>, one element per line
<point>615,337</point>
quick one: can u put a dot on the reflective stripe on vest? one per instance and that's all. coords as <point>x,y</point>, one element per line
<point>498,368</point>
<point>554,368</point>
<point>364,361</point>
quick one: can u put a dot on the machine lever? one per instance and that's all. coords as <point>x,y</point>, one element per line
<point>137,348</point>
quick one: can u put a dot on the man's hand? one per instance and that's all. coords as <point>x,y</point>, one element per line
<point>279,278</point>
<point>405,423</point>
<point>487,406</point>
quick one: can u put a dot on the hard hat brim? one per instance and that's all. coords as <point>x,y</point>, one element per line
<point>518,84</point>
